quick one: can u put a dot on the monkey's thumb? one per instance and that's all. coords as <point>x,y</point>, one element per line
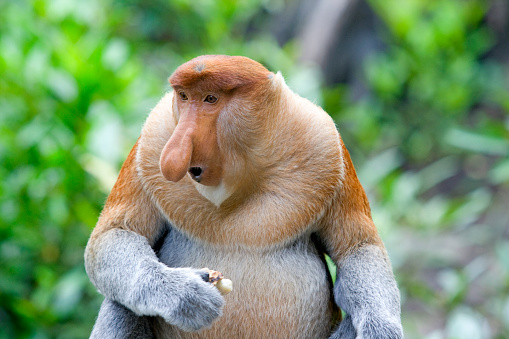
<point>176,155</point>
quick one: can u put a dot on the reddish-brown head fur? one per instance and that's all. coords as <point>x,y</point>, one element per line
<point>203,89</point>
<point>218,73</point>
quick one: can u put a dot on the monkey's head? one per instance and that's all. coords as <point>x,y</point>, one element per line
<point>240,132</point>
<point>212,94</point>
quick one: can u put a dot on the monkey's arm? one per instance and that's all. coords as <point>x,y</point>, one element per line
<point>365,287</point>
<point>366,290</point>
<point>121,263</point>
<point>115,321</point>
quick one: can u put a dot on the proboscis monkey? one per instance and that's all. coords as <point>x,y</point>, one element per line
<point>236,172</point>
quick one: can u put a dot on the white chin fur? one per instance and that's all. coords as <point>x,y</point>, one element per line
<point>215,194</point>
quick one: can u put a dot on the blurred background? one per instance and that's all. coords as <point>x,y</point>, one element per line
<point>418,89</point>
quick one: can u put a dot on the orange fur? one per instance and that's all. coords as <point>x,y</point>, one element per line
<point>347,223</point>
<point>129,206</point>
<point>285,185</point>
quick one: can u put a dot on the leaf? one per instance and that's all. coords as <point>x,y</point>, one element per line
<point>475,142</point>
<point>68,291</point>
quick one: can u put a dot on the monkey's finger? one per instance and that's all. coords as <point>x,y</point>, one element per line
<point>204,274</point>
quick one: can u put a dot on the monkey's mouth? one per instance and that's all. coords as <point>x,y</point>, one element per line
<point>196,173</point>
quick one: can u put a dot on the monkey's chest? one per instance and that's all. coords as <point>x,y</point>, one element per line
<point>281,293</point>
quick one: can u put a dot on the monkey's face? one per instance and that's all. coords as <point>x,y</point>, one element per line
<point>193,146</point>
<point>213,99</point>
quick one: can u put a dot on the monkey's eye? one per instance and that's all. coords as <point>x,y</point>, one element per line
<point>183,95</point>
<point>210,99</point>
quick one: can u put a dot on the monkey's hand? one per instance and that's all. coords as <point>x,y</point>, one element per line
<point>366,290</point>
<point>370,328</point>
<point>124,268</point>
<point>180,295</point>
<point>217,279</point>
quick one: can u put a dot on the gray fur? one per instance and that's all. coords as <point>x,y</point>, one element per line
<point>130,273</point>
<point>115,321</point>
<point>345,330</point>
<point>366,290</point>
<point>268,270</point>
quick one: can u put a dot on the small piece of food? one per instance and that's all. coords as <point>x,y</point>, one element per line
<point>217,279</point>
<point>225,286</point>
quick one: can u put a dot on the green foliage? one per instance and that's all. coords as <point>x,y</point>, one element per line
<point>430,87</point>
<point>430,141</point>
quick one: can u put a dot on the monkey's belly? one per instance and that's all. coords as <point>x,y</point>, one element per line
<point>282,293</point>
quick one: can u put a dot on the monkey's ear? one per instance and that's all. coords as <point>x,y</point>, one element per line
<point>277,83</point>
<point>277,80</point>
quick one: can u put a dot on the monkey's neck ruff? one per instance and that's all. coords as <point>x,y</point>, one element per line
<point>302,171</point>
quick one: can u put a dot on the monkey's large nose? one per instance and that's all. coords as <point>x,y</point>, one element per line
<point>196,173</point>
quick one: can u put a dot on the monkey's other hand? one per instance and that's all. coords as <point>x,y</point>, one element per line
<point>371,328</point>
<point>180,296</point>
<point>380,327</point>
